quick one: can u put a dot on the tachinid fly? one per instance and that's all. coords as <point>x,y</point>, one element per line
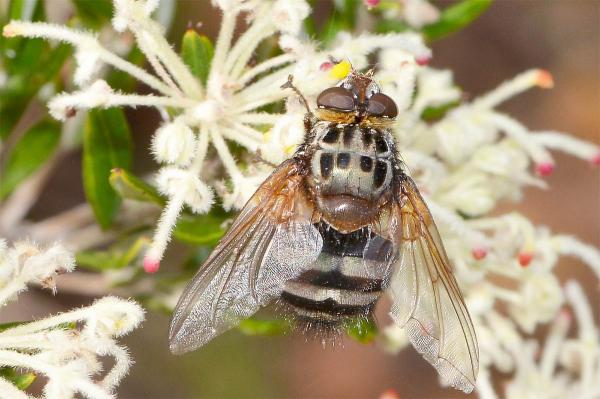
<point>330,231</point>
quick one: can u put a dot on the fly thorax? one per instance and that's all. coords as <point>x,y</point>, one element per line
<point>351,169</point>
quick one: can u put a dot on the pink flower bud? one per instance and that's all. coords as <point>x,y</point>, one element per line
<point>596,159</point>
<point>544,168</point>
<point>326,66</point>
<point>423,60</point>
<point>151,265</point>
<point>389,394</point>
<point>525,258</point>
<point>372,3</point>
<point>544,79</point>
<point>479,253</point>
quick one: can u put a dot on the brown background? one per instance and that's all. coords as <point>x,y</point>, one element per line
<point>560,36</point>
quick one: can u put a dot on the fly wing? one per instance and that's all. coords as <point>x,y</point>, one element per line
<point>271,242</point>
<point>427,301</point>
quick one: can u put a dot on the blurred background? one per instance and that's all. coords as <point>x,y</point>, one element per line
<point>513,35</point>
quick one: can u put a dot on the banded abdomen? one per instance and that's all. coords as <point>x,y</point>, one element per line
<point>345,281</point>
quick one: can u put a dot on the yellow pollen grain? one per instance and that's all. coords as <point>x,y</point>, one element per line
<point>340,70</point>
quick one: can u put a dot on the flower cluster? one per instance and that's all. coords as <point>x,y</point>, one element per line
<point>228,108</point>
<point>465,162</point>
<point>67,348</point>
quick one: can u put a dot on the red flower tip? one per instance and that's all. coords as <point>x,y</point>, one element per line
<point>479,253</point>
<point>544,168</point>
<point>372,3</point>
<point>596,159</point>
<point>151,265</point>
<point>424,60</point>
<point>545,79</point>
<point>389,394</point>
<point>326,66</point>
<point>566,315</point>
<point>525,258</point>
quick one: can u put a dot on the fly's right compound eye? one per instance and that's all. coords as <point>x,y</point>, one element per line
<point>337,99</point>
<point>382,105</point>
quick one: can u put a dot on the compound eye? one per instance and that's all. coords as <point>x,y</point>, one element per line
<point>382,105</point>
<point>336,98</point>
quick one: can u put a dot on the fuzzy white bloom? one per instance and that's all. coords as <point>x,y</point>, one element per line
<point>244,187</point>
<point>175,182</point>
<point>25,263</point>
<point>174,142</point>
<point>282,140</point>
<point>97,95</point>
<point>66,348</point>
<point>416,13</point>
<point>419,12</point>
<point>288,15</point>
<point>541,299</point>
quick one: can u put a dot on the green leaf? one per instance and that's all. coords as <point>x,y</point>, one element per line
<point>127,185</point>
<point>431,114</point>
<point>197,52</point>
<point>33,149</point>
<point>106,145</point>
<point>98,260</point>
<point>200,230</point>
<point>23,10</point>
<point>64,326</point>
<point>20,380</point>
<point>456,17</point>
<point>115,258</point>
<point>34,64</point>
<point>27,63</point>
<point>362,330</point>
<point>387,25</point>
<point>94,13</point>
<point>343,17</point>
<point>272,327</point>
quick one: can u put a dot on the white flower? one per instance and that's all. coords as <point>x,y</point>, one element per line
<point>175,182</point>
<point>436,88</point>
<point>282,140</point>
<point>541,298</point>
<point>419,12</point>
<point>174,143</point>
<point>97,95</point>
<point>87,66</point>
<point>416,13</point>
<point>25,263</point>
<point>244,187</point>
<point>288,15</point>
<point>69,357</point>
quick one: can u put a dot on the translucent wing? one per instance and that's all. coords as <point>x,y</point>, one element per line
<point>427,301</point>
<point>271,242</point>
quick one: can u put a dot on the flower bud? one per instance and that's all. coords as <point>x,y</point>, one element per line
<point>174,143</point>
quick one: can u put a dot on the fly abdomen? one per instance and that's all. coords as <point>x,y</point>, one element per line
<point>345,281</point>
<point>331,296</point>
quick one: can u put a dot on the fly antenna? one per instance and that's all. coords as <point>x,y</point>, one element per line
<point>290,85</point>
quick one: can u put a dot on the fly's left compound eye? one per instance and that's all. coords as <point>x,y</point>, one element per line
<point>336,98</point>
<point>382,105</point>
